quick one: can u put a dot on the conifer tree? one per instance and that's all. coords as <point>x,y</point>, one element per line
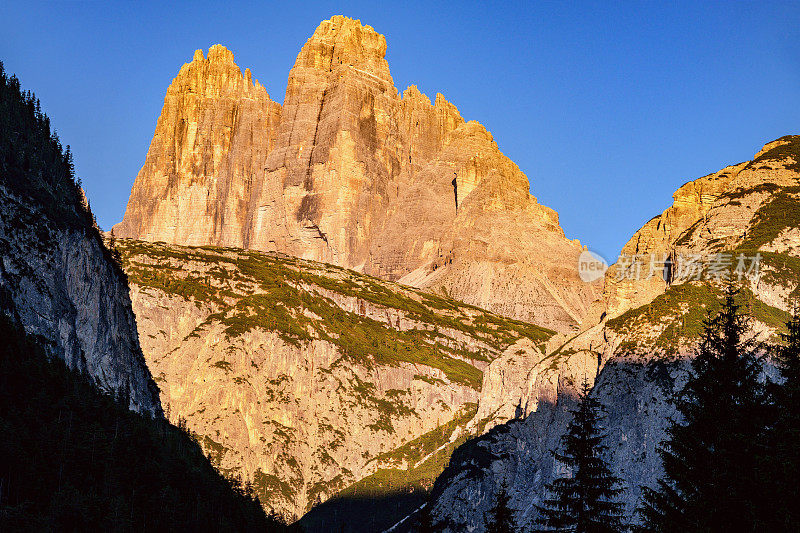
<point>584,501</point>
<point>786,459</point>
<point>712,479</point>
<point>500,519</point>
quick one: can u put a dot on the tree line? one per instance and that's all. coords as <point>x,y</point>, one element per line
<point>33,162</point>
<point>74,459</point>
<point>731,459</point>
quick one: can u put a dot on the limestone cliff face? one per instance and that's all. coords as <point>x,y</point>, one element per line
<point>519,453</point>
<point>211,143</point>
<point>350,172</point>
<point>307,379</point>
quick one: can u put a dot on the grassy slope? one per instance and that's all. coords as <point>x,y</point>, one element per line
<point>295,298</point>
<point>673,320</point>
<point>290,296</point>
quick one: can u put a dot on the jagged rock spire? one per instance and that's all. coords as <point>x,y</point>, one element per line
<point>350,172</point>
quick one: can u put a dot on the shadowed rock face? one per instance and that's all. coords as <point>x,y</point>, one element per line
<point>641,339</point>
<point>58,284</point>
<point>350,172</point>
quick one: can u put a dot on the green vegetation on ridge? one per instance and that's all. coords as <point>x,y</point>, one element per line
<point>295,299</point>
<point>676,317</point>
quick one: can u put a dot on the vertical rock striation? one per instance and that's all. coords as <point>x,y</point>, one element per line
<point>351,172</point>
<point>211,143</point>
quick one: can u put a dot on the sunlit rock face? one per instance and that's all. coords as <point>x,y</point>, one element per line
<point>351,172</point>
<point>742,207</point>
<point>306,379</point>
<point>210,145</point>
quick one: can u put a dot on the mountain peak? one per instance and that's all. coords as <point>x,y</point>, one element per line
<point>219,54</point>
<point>216,74</point>
<point>350,172</point>
<point>344,30</point>
<point>345,42</point>
<point>771,150</point>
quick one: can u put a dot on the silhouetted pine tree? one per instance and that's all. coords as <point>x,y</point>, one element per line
<point>583,502</point>
<point>500,519</point>
<point>712,479</point>
<point>787,428</point>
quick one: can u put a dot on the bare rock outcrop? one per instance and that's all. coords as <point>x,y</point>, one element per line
<point>59,284</point>
<point>724,211</point>
<point>211,143</point>
<point>351,172</point>
<point>305,379</point>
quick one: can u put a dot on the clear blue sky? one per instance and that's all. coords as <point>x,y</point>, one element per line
<point>606,109</point>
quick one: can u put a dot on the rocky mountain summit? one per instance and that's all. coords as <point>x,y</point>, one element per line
<point>645,330</point>
<point>351,172</point>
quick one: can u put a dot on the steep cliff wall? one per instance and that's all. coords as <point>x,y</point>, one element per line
<point>62,288</point>
<point>210,145</point>
<point>308,380</point>
<point>350,172</point>
<point>60,285</point>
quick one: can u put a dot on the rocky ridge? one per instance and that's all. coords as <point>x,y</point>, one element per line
<point>308,380</point>
<point>351,172</point>
<point>643,336</point>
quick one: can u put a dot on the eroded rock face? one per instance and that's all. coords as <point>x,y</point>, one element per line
<point>305,379</point>
<point>519,453</point>
<point>350,172</point>
<point>210,145</point>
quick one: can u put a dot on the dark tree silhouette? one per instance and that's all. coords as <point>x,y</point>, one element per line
<point>500,518</point>
<point>584,501</point>
<point>786,457</point>
<point>713,479</point>
<point>425,522</point>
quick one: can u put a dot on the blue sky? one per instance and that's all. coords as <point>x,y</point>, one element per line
<point>607,109</point>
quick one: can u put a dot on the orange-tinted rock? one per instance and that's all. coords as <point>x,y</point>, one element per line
<point>350,172</point>
<point>212,139</point>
